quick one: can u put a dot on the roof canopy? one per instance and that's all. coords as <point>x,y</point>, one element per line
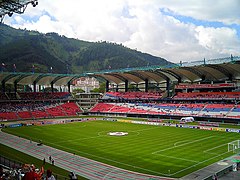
<point>208,72</point>
<point>37,78</point>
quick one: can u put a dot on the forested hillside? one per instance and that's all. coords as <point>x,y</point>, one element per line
<point>30,50</point>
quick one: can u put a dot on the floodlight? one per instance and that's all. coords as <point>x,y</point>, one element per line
<point>34,3</point>
<point>10,14</point>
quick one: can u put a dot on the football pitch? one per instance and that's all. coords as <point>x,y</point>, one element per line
<point>156,150</point>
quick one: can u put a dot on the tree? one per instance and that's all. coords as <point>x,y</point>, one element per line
<point>49,89</point>
<point>101,89</point>
<point>77,90</point>
<point>133,87</point>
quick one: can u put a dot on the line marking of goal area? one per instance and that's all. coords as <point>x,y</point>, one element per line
<point>173,157</point>
<point>172,147</point>
<point>189,167</point>
<point>206,151</point>
<point>109,160</point>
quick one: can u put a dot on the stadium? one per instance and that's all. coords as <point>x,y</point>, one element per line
<point>130,133</point>
<point>178,121</point>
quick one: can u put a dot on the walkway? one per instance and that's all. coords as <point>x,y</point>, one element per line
<point>84,167</point>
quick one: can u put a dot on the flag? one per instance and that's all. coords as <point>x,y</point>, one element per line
<point>109,67</point>
<point>33,68</point>
<point>3,66</point>
<point>14,67</point>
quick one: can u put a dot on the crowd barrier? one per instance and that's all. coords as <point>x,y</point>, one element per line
<point>182,126</point>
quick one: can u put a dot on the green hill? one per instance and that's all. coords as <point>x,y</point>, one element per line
<point>66,55</point>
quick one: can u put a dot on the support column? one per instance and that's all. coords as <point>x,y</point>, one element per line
<point>117,88</point>
<point>3,87</point>
<point>107,86</point>
<point>69,85</point>
<point>146,85</point>
<point>126,85</point>
<point>52,87</point>
<point>39,88</point>
<point>168,86</point>
<point>34,86</point>
<point>15,87</point>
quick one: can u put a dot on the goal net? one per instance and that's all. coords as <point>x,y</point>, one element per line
<point>234,146</point>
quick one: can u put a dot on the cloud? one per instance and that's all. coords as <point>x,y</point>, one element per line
<point>226,11</point>
<point>140,24</point>
<point>221,40</point>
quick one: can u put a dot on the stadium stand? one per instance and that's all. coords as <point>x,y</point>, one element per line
<point>44,95</point>
<point>35,110</point>
<point>169,92</point>
<point>208,95</point>
<point>133,95</point>
<point>3,96</point>
<point>178,109</point>
<point>206,86</point>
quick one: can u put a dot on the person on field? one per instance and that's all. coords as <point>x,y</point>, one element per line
<point>72,176</point>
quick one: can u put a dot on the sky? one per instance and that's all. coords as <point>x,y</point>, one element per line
<point>177,30</point>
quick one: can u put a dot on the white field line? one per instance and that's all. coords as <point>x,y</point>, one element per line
<point>206,151</point>
<point>144,168</point>
<point>110,160</point>
<point>167,174</point>
<point>99,134</point>
<point>70,140</point>
<point>179,142</point>
<point>182,144</point>
<point>74,150</point>
<point>177,158</point>
<point>189,167</point>
<point>146,129</point>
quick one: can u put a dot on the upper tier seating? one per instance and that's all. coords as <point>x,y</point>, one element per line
<point>208,95</point>
<point>205,86</point>
<point>133,95</point>
<point>44,95</point>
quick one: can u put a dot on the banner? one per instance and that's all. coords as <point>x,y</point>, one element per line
<point>14,125</point>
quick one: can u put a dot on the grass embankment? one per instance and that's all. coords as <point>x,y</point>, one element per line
<point>23,158</point>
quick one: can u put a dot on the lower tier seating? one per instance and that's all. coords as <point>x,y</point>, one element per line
<point>198,109</point>
<point>18,111</point>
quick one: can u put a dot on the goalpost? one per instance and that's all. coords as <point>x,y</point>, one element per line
<point>234,146</point>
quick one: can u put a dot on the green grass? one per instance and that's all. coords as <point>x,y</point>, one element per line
<point>157,150</point>
<point>22,158</point>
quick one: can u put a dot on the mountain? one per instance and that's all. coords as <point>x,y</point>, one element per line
<point>65,55</point>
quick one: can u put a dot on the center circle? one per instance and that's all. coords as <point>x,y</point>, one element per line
<point>117,133</point>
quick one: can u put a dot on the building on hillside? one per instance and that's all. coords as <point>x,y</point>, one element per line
<point>86,83</point>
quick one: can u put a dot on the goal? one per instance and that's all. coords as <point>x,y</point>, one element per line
<point>234,146</point>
